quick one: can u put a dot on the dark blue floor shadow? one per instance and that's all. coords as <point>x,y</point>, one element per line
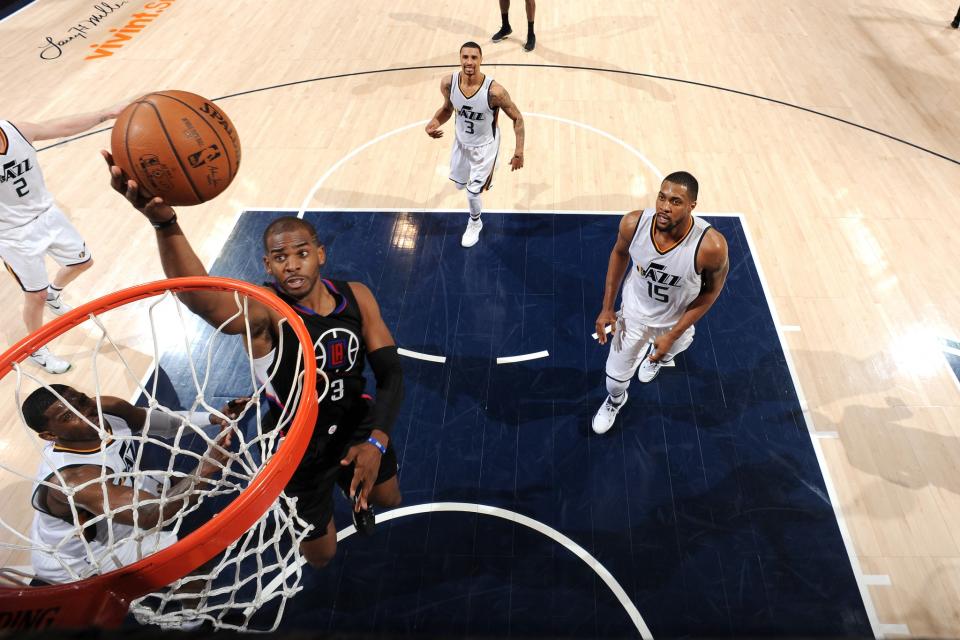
<point>706,501</point>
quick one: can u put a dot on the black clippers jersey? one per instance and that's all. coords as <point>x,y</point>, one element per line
<point>338,344</point>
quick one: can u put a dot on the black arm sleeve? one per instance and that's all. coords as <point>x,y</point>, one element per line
<point>385,363</point>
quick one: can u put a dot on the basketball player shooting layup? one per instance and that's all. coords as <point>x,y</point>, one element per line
<point>350,444</point>
<point>477,100</point>
<point>680,266</point>
<point>31,225</point>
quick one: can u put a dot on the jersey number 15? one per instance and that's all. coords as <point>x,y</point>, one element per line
<point>658,292</point>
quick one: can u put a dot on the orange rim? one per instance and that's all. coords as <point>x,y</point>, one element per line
<point>104,600</point>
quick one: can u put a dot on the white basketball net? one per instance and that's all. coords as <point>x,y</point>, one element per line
<point>257,572</point>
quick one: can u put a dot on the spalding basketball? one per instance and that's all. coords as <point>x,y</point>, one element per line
<point>176,145</point>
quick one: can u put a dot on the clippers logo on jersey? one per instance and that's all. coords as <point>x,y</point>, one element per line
<point>468,113</point>
<point>337,350</point>
<point>13,170</point>
<point>655,272</point>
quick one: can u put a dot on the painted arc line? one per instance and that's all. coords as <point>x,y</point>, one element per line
<point>497,512</point>
<point>339,163</point>
<point>832,494</point>
<point>522,358</point>
<point>826,435</point>
<point>607,329</point>
<point>877,580</point>
<point>421,356</point>
<point>790,328</point>
<point>951,351</point>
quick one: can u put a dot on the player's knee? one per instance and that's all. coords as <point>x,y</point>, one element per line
<point>390,500</point>
<point>318,555</point>
<point>36,297</point>
<point>83,266</point>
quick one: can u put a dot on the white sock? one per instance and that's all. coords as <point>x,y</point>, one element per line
<point>475,204</point>
<point>53,293</point>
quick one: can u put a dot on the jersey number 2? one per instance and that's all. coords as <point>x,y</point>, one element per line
<point>21,186</point>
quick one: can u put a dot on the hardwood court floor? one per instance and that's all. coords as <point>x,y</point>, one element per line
<point>853,229</point>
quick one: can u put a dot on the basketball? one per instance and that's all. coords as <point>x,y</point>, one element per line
<point>176,145</point>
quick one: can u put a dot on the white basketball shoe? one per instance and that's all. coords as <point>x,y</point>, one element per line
<point>49,362</point>
<point>603,420</point>
<point>472,234</point>
<point>648,370</point>
<point>57,305</point>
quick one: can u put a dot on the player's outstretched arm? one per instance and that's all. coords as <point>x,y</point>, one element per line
<point>443,113</point>
<point>70,125</point>
<point>385,362</point>
<point>178,259</point>
<point>616,269</point>
<point>94,492</point>
<point>714,265</point>
<point>500,98</point>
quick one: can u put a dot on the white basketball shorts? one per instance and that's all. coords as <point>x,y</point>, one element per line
<point>472,167</point>
<point>23,248</point>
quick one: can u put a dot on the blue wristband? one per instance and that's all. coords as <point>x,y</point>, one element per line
<point>376,443</point>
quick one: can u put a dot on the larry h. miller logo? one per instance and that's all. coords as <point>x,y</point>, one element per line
<point>53,47</point>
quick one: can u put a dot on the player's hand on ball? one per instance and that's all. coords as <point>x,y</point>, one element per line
<point>155,209</point>
<point>433,130</point>
<point>604,320</point>
<point>516,162</point>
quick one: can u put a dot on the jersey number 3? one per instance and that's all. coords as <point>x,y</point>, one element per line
<point>21,186</point>
<point>336,389</point>
<point>469,125</point>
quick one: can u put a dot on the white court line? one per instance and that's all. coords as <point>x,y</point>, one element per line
<point>497,512</point>
<point>23,8</point>
<point>894,630</point>
<point>868,605</point>
<point>826,435</point>
<point>790,328</point>
<point>339,163</point>
<point>877,580</point>
<point>951,351</point>
<point>607,330</point>
<point>523,358</point>
<point>421,356</point>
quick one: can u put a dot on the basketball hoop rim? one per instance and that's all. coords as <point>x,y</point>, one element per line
<point>164,567</point>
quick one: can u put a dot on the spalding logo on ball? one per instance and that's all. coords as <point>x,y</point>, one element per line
<point>176,145</point>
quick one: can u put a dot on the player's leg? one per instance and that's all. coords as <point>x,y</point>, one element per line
<point>386,491</point>
<point>505,29</point>
<point>23,257</point>
<point>622,361</point>
<point>69,250</point>
<point>320,550</point>
<point>648,370</point>
<point>312,485</point>
<point>483,161</point>
<point>531,15</point>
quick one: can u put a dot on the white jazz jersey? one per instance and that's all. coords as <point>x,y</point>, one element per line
<point>661,283</point>
<point>50,532</point>
<point>23,193</point>
<point>476,123</point>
